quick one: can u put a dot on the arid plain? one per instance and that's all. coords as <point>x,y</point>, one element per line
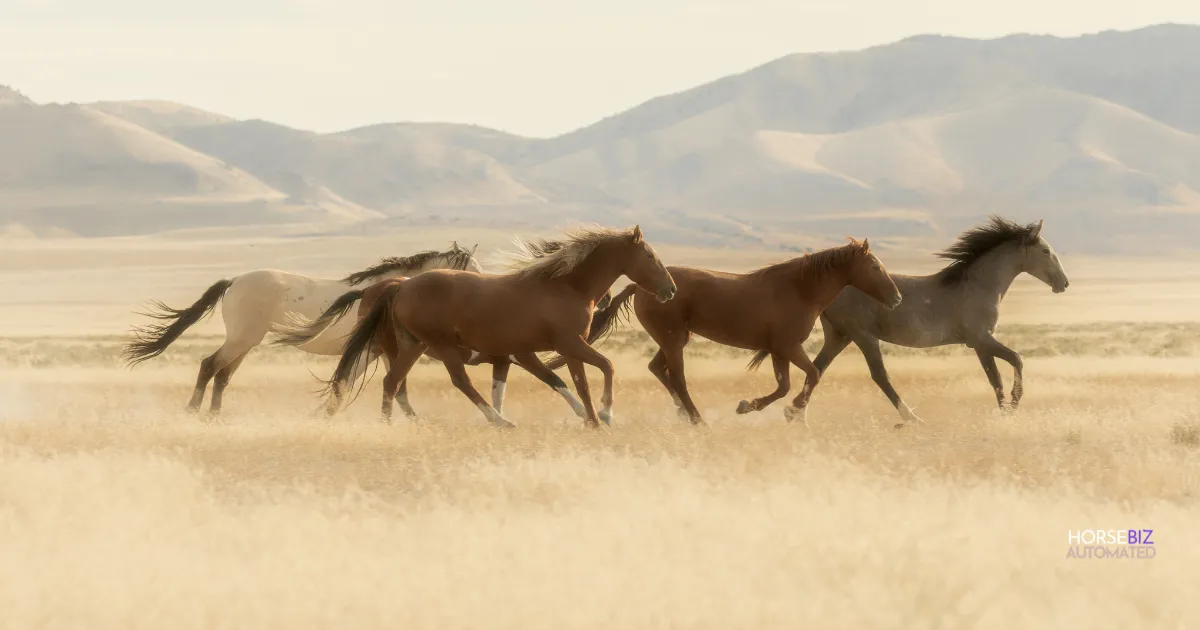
<point>117,510</point>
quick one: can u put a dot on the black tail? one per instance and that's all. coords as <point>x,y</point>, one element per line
<point>152,339</point>
<point>604,321</point>
<point>757,360</point>
<point>360,340</point>
<point>300,334</point>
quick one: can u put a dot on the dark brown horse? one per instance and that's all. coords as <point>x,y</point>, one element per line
<point>385,343</point>
<point>772,309</point>
<point>545,304</point>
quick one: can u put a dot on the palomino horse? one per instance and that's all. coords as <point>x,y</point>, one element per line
<point>546,303</point>
<point>772,309</point>
<point>258,302</point>
<point>957,305</point>
<point>303,333</point>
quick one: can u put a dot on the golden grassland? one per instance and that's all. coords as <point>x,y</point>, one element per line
<point>118,510</point>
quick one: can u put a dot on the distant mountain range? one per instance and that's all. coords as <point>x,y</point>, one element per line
<point>1100,135</point>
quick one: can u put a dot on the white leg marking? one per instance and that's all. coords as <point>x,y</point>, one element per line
<point>474,357</point>
<point>907,413</point>
<point>606,415</point>
<point>495,418</point>
<point>572,400</point>
<point>796,414</point>
<point>498,395</point>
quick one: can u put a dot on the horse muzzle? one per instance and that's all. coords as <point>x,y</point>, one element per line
<point>665,295</point>
<point>1059,288</point>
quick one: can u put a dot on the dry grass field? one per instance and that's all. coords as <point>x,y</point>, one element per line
<point>117,510</point>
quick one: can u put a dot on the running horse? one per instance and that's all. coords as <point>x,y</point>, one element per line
<point>301,333</point>
<point>544,304</point>
<point>772,310</point>
<point>958,305</point>
<point>259,302</point>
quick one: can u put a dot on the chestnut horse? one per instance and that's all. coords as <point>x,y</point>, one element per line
<point>772,309</point>
<point>545,304</point>
<point>957,305</point>
<point>301,334</point>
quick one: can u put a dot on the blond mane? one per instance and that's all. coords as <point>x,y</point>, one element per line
<point>551,259</point>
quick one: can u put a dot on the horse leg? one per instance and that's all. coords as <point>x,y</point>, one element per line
<point>397,374</point>
<point>874,356</point>
<point>990,345</point>
<point>835,342</point>
<point>575,366</point>
<point>538,369</point>
<point>237,344</point>
<point>812,376</point>
<point>993,375</point>
<point>499,382</point>
<point>783,384</point>
<point>658,367</point>
<point>458,375</point>
<point>402,393</point>
<point>576,348</point>
<point>202,378</point>
<point>222,380</point>
<point>678,380</point>
<point>402,400</point>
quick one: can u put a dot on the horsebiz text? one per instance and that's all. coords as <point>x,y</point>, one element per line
<point>1131,544</point>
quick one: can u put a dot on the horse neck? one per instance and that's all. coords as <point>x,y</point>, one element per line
<point>594,275</point>
<point>820,289</point>
<point>996,270</point>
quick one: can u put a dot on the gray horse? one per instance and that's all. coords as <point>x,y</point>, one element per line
<point>957,305</point>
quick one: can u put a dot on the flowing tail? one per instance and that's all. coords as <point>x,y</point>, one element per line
<point>297,332</point>
<point>604,321</point>
<point>757,359</point>
<point>359,341</point>
<point>152,339</point>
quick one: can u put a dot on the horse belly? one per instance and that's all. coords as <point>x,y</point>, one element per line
<point>499,331</point>
<point>916,331</point>
<point>746,332</point>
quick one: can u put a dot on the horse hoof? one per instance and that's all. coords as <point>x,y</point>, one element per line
<point>501,423</point>
<point>606,417</point>
<point>744,407</point>
<point>794,414</point>
<point>899,425</point>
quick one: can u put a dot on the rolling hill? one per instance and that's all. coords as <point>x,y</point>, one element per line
<point>915,139</point>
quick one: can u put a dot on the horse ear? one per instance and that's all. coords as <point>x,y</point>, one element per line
<point>637,234</point>
<point>866,246</point>
<point>474,248</point>
<point>1036,232</point>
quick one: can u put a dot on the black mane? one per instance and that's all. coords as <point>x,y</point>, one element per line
<point>977,241</point>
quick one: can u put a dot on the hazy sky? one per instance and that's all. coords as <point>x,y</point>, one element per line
<point>536,67</point>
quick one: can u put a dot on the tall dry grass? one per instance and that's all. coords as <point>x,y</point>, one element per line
<point>118,511</point>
